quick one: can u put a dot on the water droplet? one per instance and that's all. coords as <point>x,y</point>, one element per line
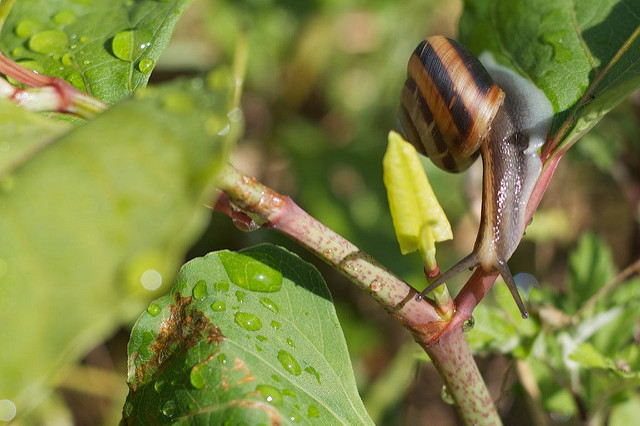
<point>261,338</point>
<point>27,27</point>
<point>67,59</point>
<point>468,324</point>
<point>146,65</point>
<point>169,408</point>
<point>219,306</point>
<point>289,393</point>
<point>64,17</point>
<point>275,325</point>
<point>158,385</point>
<point>275,378</point>
<point>313,412</point>
<point>258,348</point>
<point>8,410</point>
<point>48,42</point>
<point>235,115</point>
<point>222,358</point>
<point>154,309</point>
<point>289,363</point>
<point>151,279</point>
<point>221,286</point>
<point>446,396</point>
<point>129,44</point>
<point>196,377</point>
<point>561,53</point>
<point>270,394</point>
<point>200,290</point>
<point>17,52</point>
<point>128,409</point>
<point>290,343</point>
<point>248,321</point>
<point>313,372</point>
<point>240,296</point>
<point>270,305</point>
<point>178,102</point>
<point>375,286</point>
<point>294,417</point>
<point>257,273</point>
<point>75,79</point>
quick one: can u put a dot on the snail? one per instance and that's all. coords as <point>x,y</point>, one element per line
<point>454,109</point>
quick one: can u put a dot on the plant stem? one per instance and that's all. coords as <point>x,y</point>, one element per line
<point>46,93</point>
<point>251,204</point>
<point>451,356</point>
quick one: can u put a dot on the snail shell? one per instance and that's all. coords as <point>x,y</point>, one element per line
<point>453,109</point>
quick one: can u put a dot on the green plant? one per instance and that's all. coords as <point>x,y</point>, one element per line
<point>98,213</point>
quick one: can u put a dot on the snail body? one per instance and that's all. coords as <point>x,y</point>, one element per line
<point>454,109</point>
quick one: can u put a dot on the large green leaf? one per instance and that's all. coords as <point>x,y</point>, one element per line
<point>582,54</point>
<point>105,47</point>
<point>109,206</point>
<point>243,338</point>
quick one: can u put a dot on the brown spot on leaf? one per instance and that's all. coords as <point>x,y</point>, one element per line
<point>182,330</point>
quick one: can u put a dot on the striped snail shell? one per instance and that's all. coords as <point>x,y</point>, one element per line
<point>452,109</point>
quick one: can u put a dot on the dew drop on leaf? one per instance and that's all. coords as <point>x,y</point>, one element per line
<point>169,408</point>
<point>219,306</point>
<point>294,418</point>
<point>128,408</point>
<point>261,338</point>
<point>129,44</point>
<point>200,290</point>
<point>313,412</point>
<point>221,286</point>
<point>222,358</point>
<point>196,377</point>
<point>48,42</point>
<point>270,394</point>
<point>290,343</point>
<point>313,372</point>
<point>17,52</point>
<point>154,309</point>
<point>27,27</point>
<point>289,393</point>
<point>240,296</point>
<point>289,363</point>
<point>67,59</point>
<point>146,65</point>
<point>270,305</point>
<point>64,17</point>
<point>158,385</point>
<point>251,274</point>
<point>248,321</point>
<point>275,325</point>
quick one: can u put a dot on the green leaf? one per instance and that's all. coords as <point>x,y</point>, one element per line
<point>104,47</point>
<point>24,134</point>
<point>249,337</point>
<point>626,412</point>
<point>590,267</point>
<point>583,55</point>
<point>109,206</point>
<point>588,357</point>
